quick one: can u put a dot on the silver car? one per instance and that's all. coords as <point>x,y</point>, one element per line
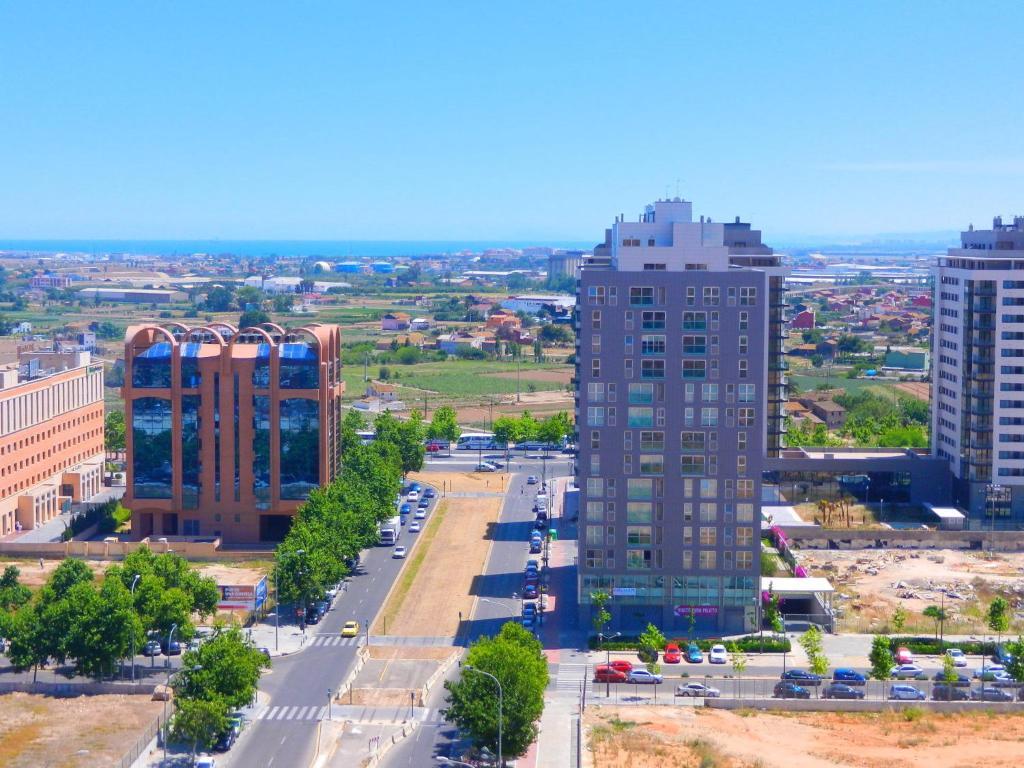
<point>698,690</point>
<point>905,693</point>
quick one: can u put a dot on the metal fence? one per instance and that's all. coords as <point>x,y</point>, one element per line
<point>139,747</point>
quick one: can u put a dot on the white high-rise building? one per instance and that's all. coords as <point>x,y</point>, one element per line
<point>978,372</point>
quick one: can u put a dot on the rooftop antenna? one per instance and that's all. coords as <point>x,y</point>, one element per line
<point>677,189</point>
<point>666,191</point>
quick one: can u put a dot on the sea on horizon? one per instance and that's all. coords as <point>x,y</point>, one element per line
<point>328,249</point>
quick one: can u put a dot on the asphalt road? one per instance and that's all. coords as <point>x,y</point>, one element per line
<point>503,576</point>
<point>303,679</point>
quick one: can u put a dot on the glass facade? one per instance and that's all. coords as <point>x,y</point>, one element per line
<point>191,376</point>
<point>300,366</point>
<point>151,454</point>
<point>300,447</point>
<point>261,450</point>
<point>261,369</point>
<point>152,368</point>
<point>191,467</point>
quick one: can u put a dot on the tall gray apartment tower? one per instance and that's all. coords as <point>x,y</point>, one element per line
<point>978,372</point>
<point>679,397</point>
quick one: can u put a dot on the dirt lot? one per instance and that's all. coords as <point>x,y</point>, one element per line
<point>93,730</point>
<point>919,389</point>
<point>538,403</point>
<point>661,737</point>
<point>435,581</point>
<point>33,576</point>
<point>870,583</point>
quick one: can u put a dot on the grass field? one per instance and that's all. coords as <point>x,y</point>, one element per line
<point>808,382</point>
<point>455,379</point>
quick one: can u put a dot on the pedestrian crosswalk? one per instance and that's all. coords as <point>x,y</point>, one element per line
<point>332,640</point>
<point>292,713</point>
<point>571,677</point>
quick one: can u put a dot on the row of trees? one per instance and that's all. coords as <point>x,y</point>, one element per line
<point>511,429</point>
<point>95,624</point>
<point>339,520</point>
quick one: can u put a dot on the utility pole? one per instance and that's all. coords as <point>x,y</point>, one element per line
<point>519,366</point>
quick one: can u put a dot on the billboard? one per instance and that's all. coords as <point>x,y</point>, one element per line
<point>242,597</point>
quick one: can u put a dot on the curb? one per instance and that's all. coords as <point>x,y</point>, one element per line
<point>407,728</point>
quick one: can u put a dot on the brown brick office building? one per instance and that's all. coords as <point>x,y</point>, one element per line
<point>229,430</point>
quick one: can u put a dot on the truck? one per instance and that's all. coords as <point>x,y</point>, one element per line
<point>390,531</point>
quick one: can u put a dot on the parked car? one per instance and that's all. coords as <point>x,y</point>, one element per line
<point>644,677</point>
<point>958,656</point>
<point>1001,655</point>
<point>312,616</point>
<point>485,467</point>
<point>718,654</point>
<point>265,651</point>
<point>540,523</point>
<point>905,693</point>
<point>987,670</point>
<point>530,592</point>
<point>842,691</point>
<point>429,493</point>
<point>152,648</point>
<point>535,547</point>
<point>908,672</point>
<point>801,676</point>
<point>698,690</point>
<point>990,693</point>
<point>225,741</point>
<point>527,620</point>
<point>350,629</point>
<point>532,563</point>
<point>960,682</point>
<point>623,665</point>
<point>848,676</point>
<point>170,649</point>
<point>943,692</point>
<point>785,689</point>
<point>672,654</point>
<point>415,527</point>
<point>693,654</point>
<point>903,655</point>
<point>532,480</point>
<point>605,674</point>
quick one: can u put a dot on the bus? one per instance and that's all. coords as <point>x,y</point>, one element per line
<point>479,441</point>
<point>391,531</point>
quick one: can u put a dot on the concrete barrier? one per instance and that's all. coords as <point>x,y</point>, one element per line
<point>361,656</point>
<point>844,705</point>
<point>440,671</point>
<point>854,538</point>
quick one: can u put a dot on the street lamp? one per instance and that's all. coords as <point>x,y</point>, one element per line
<point>170,639</point>
<point>277,595</point>
<point>501,696</point>
<point>330,713</point>
<point>135,580</point>
<point>607,663</point>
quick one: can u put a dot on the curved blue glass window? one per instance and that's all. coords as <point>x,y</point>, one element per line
<point>300,447</point>
<point>300,366</point>
<point>191,376</point>
<point>152,368</point>
<point>151,448</point>
<point>261,369</point>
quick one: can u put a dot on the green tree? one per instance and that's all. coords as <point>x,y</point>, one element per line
<point>949,673</point>
<point>102,626</point>
<point>249,294</point>
<point>601,615</point>
<point>811,642</point>
<point>251,318</point>
<point>739,666</point>
<point>936,614</point>
<point>515,658</point>
<point>505,429</point>
<point>218,299</point>
<point>27,640</point>
<point>114,431</point>
<point>998,617</point>
<point>899,619</point>
<point>351,425</point>
<point>1015,666</point>
<point>283,302</point>
<point>229,670</point>
<point>69,573</point>
<point>882,662</point>
<point>410,435</point>
<point>651,643</point>
<point>13,594</point>
<point>444,425</point>
<point>199,722</point>
<point>556,333</point>
<point>771,612</point>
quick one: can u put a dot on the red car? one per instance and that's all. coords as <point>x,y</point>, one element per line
<point>904,656</point>
<point>605,674</point>
<point>672,654</point>
<point>620,664</point>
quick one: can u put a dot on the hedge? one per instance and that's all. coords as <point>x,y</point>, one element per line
<point>935,647</point>
<point>747,644</point>
<point>108,517</point>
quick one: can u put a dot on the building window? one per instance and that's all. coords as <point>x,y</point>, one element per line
<point>746,417</point>
<point>638,559</point>
<point>652,441</point>
<point>595,487</point>
<point>640,417</point>
<point>744,561</point>
<point>300,447</point>
<point>652,345</point>
<point>595,558</point>
<point>708,559</point>
<point>595,344</point>
<point>595,392</point>
<point>692,441</point>
<point>744,536</point>
<point>596,295</point>
<point>595,440</point>
<point>695,321</point>
<point>744,489</point>
<point>708,536</point>
<point>651,464</point>
<point>299,366</point>
<point>151,454</point>
<point>152,368</point>
<point>691,465</point>
<point>595,416</point>
<point>652,369</point>
<point>708,511</point>
<point>595,319</point>
<point>709,417</point>
<point>694,369</point>
<point>191,460</point>
<point>709,393</point>
<point>695,345</point>
<point>641,297</point>
<point>595,369</point>
<point>641,393</point>
<point>744,321</point>
<point>638,535</point>
<point>748,297</point>
<point>261,450</point>
<point>708,489</point>
<point>639,489</point>
<point>747,393</point>
<point>712,295</point>
<point>652,320</point>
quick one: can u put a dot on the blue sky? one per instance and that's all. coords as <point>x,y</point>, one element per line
<point>525,120</point>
